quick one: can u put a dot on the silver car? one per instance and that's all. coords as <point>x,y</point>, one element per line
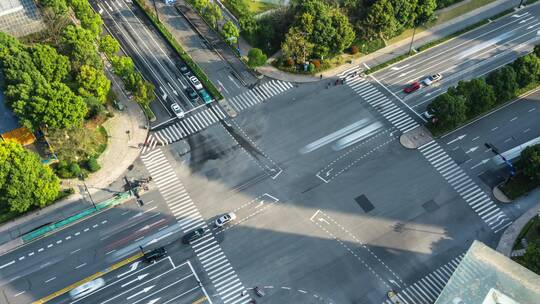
<point>86,288</point>
<point>224,219</point>
<point>177,110</point>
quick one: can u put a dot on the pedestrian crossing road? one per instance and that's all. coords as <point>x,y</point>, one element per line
<point>213,260</point>
<point>427,289</point>
<point>373,96</point>
<point>258,94</point>
<point>465,186</point>
<point>190,124</point>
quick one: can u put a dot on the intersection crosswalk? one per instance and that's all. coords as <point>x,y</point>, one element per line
<point>188,125</point>
<point>258,94</point>
<point>372,95</point>
<point>213,260</point>
<point>427,289</point>
<point>465,186</point>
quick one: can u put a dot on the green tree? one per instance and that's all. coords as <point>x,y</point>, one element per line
<point>381,19</point>
<point>450,111</point>
<point>527,69</point>
<point>53,66</point>
<point>479,95</point>
<point>122,66</point>
<point>144,92</point>
<point>256,57</point>
<point>200,5</point>
<point>537,51</point>
<point>59,7</point>
<point>425,11</point>
<point>79,44</point>
<point>531,258</point>
<point>404,12</point>
<point>93,82</point>
<point>108,45</point>
<point>530,158</point>
<point>230,32</point>
<point>296,46</point>
<point>24,181</point>
<point>212,14</point>
<point>504,83</point>
<point>89,19</point>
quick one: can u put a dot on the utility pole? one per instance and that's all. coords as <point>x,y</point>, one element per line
<point>155,8</point>
<point>86,189</point>
<point>412,39</point>
<point>521,3</point>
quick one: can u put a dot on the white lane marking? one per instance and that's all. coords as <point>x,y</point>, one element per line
<point>82,265</point>
<point>75,251</point>
<point>513,118</point>
<point>494,129</point>
<point>7,264</point>
<point>366,65</point>
<point>50,279</point>
<point>110,252</point>
<point>19,293</point>
<point>531,110</point>
<point>477,137</point>
<point>333,136</point>
<point>526,130</point>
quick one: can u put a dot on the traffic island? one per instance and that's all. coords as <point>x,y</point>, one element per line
<point>499,195</point>
<point>514,231</point>
<point>415,138</point>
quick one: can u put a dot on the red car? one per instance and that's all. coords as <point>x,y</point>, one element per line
<point>412,87</point>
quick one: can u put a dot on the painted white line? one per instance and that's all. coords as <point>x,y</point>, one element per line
<point>82,265</point>
<point>19,293</point>
<point>7,264</point>
<point>50,279</point>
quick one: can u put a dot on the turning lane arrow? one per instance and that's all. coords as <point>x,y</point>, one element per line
<point>142,276</point>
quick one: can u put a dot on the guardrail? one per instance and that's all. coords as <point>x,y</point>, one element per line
<point>117,199</point>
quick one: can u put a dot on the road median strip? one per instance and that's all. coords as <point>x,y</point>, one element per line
<point>88,279</point>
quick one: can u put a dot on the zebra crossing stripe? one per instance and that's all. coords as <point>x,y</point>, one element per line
<point>233,102</point>
<point>219,112</point>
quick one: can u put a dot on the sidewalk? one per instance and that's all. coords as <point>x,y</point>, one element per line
<point>122,150</point>
<point>399,48</point>
<point>511,233</point>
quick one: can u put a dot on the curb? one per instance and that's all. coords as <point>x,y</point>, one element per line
<point>509,236</point>
<point>499,195</point>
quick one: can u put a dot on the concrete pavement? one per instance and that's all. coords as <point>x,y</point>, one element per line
<point>401,47</point>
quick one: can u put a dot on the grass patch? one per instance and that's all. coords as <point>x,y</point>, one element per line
<point>180,51</point>
<point>79,144</point>
<point>257,7</point>
<point>459,10</point>
<point>148,112</point>
<point>531,232</point>
<point>518,186</point>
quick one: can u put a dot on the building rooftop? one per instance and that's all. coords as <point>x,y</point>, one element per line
<point>485,276</point>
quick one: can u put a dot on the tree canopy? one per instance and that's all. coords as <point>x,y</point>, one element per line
<point>530,158</point>
<point>24,181</point>
<point>93,83</point>
<point>449,110</point>
<point>504,82</point>
<point>230,31</point>
<point>256,57</point>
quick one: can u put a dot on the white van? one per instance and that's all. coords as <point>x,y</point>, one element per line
<point>86,288</point>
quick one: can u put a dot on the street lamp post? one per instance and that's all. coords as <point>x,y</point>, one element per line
<point>155,8</point>
<point>86,189</point>
<point>412,39</point>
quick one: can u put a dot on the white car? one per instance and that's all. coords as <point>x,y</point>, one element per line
<point>432,79</point>
<point>177,110</point>
<point>196,83</point>
<point>427,115</point>
<point>224,219</point>
<point>86,288</point>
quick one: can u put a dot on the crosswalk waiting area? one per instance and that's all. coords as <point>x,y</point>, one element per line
<point>475,197</point>
<point>258,94</point>
<point>208,251</point>
<point>372,95</point>
<point>191,123</point>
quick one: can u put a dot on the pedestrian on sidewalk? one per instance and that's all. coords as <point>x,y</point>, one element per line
<point>321,77</point>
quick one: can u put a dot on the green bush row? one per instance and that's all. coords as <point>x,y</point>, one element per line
<point>176,46</point>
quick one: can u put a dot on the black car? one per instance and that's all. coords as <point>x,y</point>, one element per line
<point>193,235</point>
<point>191,93</point>
<point>183,69</point>
<point>154,255</point>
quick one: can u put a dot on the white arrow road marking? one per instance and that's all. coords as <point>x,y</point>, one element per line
<point>323,220</point>
<point>456,139</point>
<point>132,268</point>
<point>405,73</point>
<point>399,68</point>
<point>142,276</point>
<point>472,149</point>
<point>153,301</point>
<point>140,292</point>
<point>328,172</point>
<point>260,204</point>
<point>483,162</point>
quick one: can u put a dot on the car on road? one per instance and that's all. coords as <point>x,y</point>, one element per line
<point>193,235</point>
<point>183,69</point>
<point>412,87</point>
<point>195,82</point>
<point>177,110</point>
<point>191,93</point>
<point>86,288</point>
<point>154,255</point>
<point>225,219</point>
<point>205,96</point>
<point>432,79</point>
<point>427,115</point>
